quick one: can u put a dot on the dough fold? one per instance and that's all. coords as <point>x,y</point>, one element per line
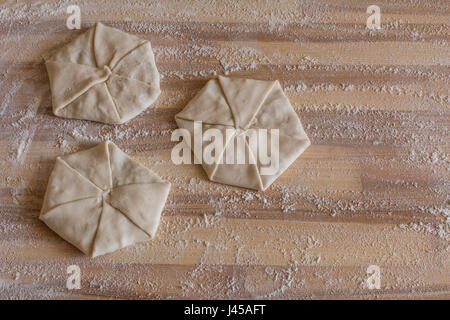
<point>103,75</point>
<point>101,200</point>
<point>240,105</point>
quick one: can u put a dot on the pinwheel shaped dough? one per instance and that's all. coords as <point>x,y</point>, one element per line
<point>104,75</point>
<point>239,105</point>
<point>101,200</point>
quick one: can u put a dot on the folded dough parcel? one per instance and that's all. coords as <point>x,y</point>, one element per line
<point>101,200</point>
<point>241,105</point>
<point>104,75</point>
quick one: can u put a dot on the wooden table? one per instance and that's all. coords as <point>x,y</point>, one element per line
<point>372,189</point>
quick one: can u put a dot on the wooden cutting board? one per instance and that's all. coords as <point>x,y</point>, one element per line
<point>372,189</point>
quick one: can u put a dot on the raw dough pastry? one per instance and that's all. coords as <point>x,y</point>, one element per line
<point>242,104</point>
<point>104,75</point>
<point>101,200</point>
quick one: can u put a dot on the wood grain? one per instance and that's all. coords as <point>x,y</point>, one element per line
<point>371,190</point>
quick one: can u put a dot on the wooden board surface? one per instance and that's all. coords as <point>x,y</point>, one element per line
<point>373,188</point>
